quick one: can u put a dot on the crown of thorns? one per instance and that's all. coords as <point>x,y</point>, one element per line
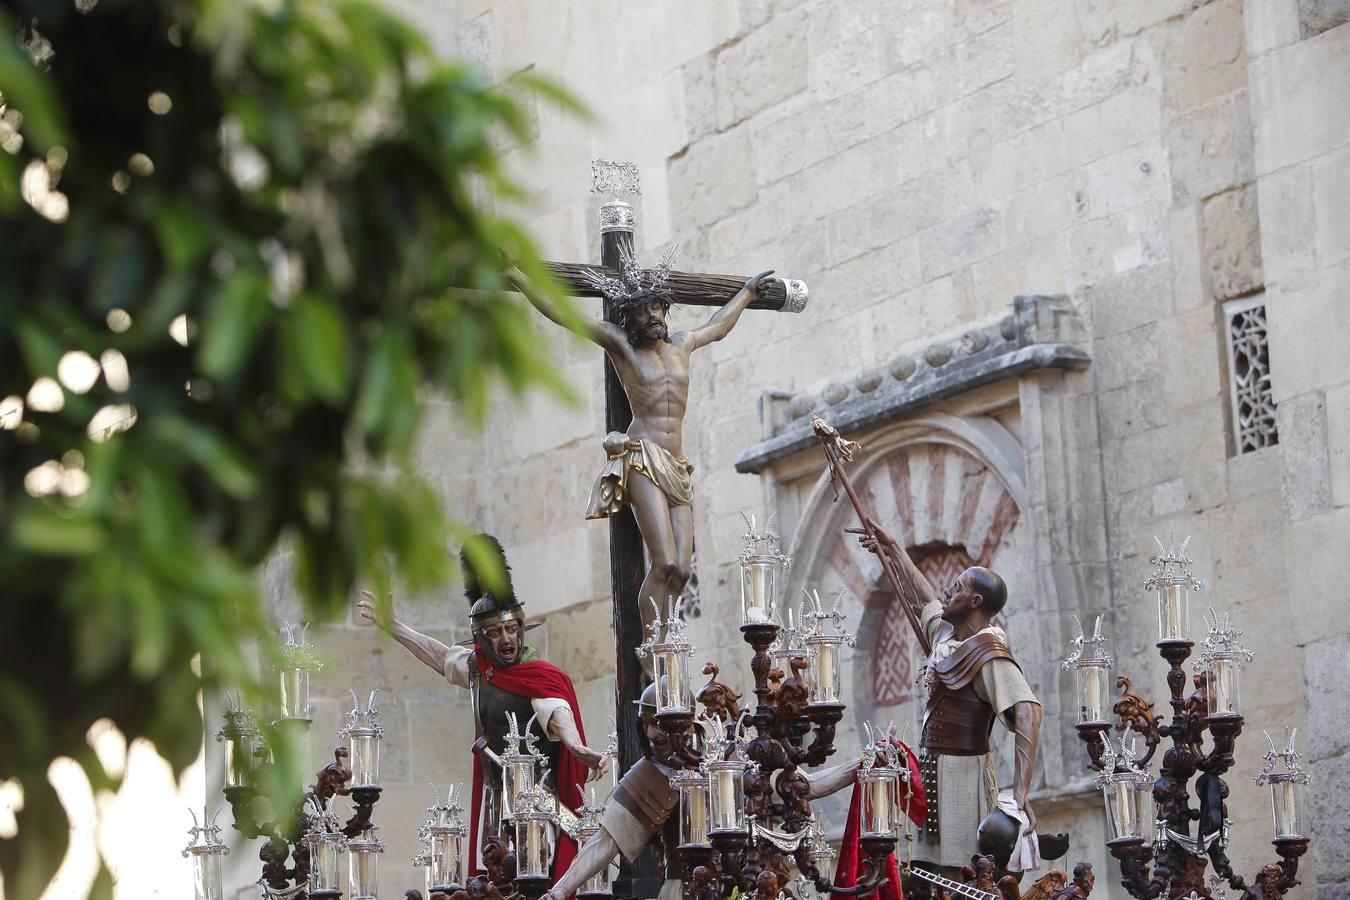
<point>634,283</point>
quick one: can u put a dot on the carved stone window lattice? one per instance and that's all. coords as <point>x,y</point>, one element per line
<point>1253,408</point>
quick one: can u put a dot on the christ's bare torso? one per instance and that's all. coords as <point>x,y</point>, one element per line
<point>655,377</point>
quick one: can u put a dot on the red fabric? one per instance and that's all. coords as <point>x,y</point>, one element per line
<point>850,853</point>
<point>537,680</point>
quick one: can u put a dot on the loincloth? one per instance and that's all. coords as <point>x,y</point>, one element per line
<point>667,471</point>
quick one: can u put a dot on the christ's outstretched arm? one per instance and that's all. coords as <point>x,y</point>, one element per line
<point>720,323</point>
<point>607,335</point>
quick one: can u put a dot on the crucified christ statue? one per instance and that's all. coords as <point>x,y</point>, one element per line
<point>646,467</point>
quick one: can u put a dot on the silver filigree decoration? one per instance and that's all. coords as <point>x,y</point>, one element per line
<point>1172,565</point>
<point>632,277</point>
<point>796,295</point>
<point>616,215</point>
<point>618,179</point>
<point>1290,755</point>
<point>1077,646</point>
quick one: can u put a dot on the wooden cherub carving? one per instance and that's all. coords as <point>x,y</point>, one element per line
<point>1080,887</point>
<point>719,700</point>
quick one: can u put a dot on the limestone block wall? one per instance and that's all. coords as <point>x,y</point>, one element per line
<point>919,163</point>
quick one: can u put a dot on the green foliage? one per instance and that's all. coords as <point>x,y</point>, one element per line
<point>307,194</point>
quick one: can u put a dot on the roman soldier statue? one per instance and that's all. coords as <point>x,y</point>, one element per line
<point>506,680</point>
<point>972,681</point>
<point>644,806</point>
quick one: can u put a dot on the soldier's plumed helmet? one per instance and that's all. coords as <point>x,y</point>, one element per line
<point>491,595</point>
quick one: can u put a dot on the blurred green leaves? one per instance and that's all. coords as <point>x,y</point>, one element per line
<point>313,216</point>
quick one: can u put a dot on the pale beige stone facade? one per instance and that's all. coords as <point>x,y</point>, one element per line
<point>920,163</point>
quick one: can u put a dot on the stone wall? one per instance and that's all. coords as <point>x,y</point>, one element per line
<point>920,163</point>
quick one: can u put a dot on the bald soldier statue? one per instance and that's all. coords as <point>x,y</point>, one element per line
<point>972,680</point>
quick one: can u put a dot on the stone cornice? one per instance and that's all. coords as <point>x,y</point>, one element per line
<point>1042,333</point>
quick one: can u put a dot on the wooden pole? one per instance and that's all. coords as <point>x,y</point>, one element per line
<point>907,600</point>
<point>626,565</point>
<point>687,288</point>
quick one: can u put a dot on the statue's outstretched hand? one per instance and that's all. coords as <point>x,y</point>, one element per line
<point>756,284</point>
<point>381,615</point>
<point>598,763</point>
<point>873,537</point>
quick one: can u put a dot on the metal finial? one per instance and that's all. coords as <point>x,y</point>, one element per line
<point>620,179</point>
<point>1080,644</point>
<point>1172,564</point>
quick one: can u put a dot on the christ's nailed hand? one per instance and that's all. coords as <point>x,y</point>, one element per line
<point>756,284</point>
<point>376,613</point>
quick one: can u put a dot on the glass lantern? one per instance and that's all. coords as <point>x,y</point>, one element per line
<point>1128,797</point>
<point>240,736</point>
<point>534,837</point>
<point>1091,666</point>
<point>671,656</point>
<point>823,671</point>
<point>520,765</point>
<point>598,885</point>
<point>363,734</point>
<point>444,836</point>
<point>423,861</point>
<point>297,662</point>
<point>726,805</point>
<point>1286,806</point>
<point>1173,582</point>
<point>878,786</point>
<point>206,849</point>
<point>326,845</point>
<point>1286,789</point>
<point>694,813</point>
<point>363,857</point>
<point>760,563</point>
<point>1221,661</point>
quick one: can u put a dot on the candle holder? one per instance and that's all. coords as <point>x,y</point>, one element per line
<point>1173,582</point>
<point>760,561</point>
<point>326,844</point>
<point>534,823</point>
<point>1286,788</point>
<point>298,661</point>
<point>878,784</point>
<point>363,734</point>
<point>520,762</point>
<point>363,857</point>
<point>823,673</point>
<point>206,849</point>
<point>695,815</point>
<point>241,738</point>
<point>725,766</point>
<point>1171,862</point>
<point>443,839</point>
<point>670,650</point>
<point>1091,667</point>
<point>1127,791</point>
<point>1221,663</point>
<point>598,885</point>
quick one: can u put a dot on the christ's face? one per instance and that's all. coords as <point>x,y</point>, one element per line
<point>649,320</point>
<point>959,600</point>
<point>504,638</point>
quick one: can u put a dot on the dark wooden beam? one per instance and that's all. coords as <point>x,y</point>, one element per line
<point>685,287</point>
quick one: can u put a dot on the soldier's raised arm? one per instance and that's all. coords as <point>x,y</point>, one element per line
<point>921,590</point>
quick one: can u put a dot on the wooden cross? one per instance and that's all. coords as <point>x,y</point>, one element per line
<point>627,564</point>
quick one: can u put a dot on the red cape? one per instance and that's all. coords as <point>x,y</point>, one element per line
<point>850,854</point>
<point>537,680</point>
